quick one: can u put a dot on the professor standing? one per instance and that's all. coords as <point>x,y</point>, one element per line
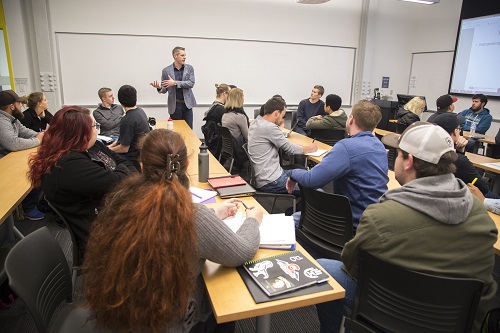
<point>178,80</point>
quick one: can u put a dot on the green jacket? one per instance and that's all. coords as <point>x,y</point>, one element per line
<point>335,121</point>
<point>404,236</point>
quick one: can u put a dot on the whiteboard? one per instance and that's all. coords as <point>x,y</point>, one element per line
<point>430,75</point>
<point>262,69</point>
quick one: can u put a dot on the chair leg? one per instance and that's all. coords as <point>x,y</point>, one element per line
<point>342,328</point>
<point>75,275</point>
<point>231,166</point>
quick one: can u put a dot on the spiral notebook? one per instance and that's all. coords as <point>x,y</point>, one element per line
<point>289,273</point>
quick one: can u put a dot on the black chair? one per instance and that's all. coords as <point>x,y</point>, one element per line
<point>275,196</point>
<point>328,136</point>
<point>400,128</point>
<point>390,298</point>
<point>77,258</point>
<point>325,222</point>
<point>227,149</point>
<point>39,274</point>
<point>392,153</point>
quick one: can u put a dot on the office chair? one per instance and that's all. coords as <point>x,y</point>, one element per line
<point>390,298</point>
<point>39,274</point>
<point>77,258</point>
<point>328,136</point>
<point>325,222</point>
<point>227,149</point>
<point>392,153</point>
<point>275,196</point>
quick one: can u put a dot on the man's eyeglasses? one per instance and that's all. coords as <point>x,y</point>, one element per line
<point>97,126</point>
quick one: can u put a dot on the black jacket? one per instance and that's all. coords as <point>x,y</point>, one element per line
<point>79,181</point>
<point>406,117</point>
<point>467,172</point>
<point>32,121</point>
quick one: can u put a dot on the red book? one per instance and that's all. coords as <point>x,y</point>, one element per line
<point>226,181</point>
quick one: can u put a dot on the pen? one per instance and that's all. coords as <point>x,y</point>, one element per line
<point>246,208</point>
<point>474,181</point>
<point>313,140</point>
<point>196,195</point>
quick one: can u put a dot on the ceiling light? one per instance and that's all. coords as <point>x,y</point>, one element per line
<point>312,2</point>
<point>425,2</point>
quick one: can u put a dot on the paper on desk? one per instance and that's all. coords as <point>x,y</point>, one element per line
<point>199,195</point>
<point>495,165</point>
<point>317,153</point>
<point>105,139</point>
<point>276,230</point>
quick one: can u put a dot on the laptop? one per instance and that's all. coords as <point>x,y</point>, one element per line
<point>290,132</point>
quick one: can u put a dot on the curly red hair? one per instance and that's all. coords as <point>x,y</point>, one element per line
<point>140,256</point>
<point>70,130</point>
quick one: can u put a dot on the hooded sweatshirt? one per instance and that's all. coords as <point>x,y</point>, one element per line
<point>407,117</point>
<point>432,225</point>
<point>483,120</point>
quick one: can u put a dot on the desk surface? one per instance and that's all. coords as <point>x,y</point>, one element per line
<point>229,295</point>
<point>303,140</point>
<point>487,138</point>
<point>14,182</point>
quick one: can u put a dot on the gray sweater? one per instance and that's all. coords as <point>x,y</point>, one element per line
<point>109,118</point>
<point>217,243</point>
<point>264,141</point>
<point>14,136</point>
<point>237,124</point>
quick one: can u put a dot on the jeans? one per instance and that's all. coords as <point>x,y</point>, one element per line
<point>301,130</point>
<point>183,113</point>
<point>279,185</point>
<point>330,314</point>
<point>471,145</point>
<point>31,199</point>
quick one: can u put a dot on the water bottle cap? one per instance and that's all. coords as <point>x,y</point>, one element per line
<point>203,147</point>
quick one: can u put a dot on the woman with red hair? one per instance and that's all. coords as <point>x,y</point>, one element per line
<point>73,170</point>
<point>148,245</point>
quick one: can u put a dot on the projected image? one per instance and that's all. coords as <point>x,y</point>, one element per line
<point>476,68</point>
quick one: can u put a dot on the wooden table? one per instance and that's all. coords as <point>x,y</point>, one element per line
<point>303,140</point>
<point>487,138</point>
<point>228,294</point>
<point>14,187</point>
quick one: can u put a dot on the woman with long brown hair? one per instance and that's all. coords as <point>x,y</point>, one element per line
<point>37,117</point>
<point>74,170</point>
<point>148,245</point>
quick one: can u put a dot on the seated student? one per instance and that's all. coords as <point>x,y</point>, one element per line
<point>108,114</point>
<point>335,119</point>
<point>431,224</point>
<point>133,125</point>
<point>37,117</point>
<point>308,108</point>
<point>145,256</point>
<point>411,111</point>
<point>265,139</point>
<point>444,104</point>
<point>236,120</point>
<point>261,112</point>
<point>73,170</point>
<point>491,205</point>
<point>465,170</point>
<point>476,115</point>
<point>213,118</point>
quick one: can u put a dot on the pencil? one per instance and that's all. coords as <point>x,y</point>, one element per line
<point>474,181</point>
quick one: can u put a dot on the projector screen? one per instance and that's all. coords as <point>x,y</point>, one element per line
<point>476,67</point>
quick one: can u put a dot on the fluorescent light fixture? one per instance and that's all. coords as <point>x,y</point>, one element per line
<point>425,2</point>
<point>312,2</point>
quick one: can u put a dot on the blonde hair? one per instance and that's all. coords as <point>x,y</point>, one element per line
<point>415,105</point>
<point>235,99</point>
<point>221,88</point>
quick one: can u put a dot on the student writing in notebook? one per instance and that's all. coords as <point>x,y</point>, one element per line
<point>144,256</point>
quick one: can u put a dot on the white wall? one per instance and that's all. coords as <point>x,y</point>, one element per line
<point>395,30</point>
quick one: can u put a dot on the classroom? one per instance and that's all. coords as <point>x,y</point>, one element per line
<point>70,49</point>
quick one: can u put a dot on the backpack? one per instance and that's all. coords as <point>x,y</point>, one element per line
<point>211,133</point>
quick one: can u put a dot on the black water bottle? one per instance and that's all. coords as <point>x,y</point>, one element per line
<point>203,166</point>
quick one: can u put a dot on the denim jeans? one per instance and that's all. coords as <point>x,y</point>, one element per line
<point>183,113</point>
<point>330,313</point>
<point>279,185</point>
<point>31,199</point>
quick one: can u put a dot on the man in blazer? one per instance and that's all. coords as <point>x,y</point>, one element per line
<point>178,80</point>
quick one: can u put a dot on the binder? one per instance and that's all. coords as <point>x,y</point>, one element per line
<point>281,276</point>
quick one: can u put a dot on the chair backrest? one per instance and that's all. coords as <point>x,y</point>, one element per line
<point>397,299</point>
<point>325,222</point>
<point>392,153</point>
<point>76,250</point>
<point>251,172</point>
<point>227,141</point>
<point>328,136</point>
<point>39,274</point>
<point>400,128</point>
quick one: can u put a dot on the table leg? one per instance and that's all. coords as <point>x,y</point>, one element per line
<point>13,233</point>
<point>264,324</point>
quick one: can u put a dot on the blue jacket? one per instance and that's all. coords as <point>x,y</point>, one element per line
<point>358,168</point>
<point>186,84</point>
<point>483,120</point>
